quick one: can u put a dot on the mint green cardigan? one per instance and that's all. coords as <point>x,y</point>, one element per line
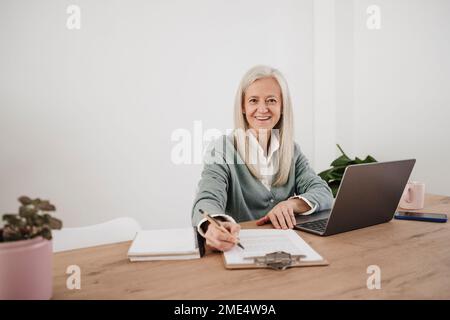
<point>228,187</point>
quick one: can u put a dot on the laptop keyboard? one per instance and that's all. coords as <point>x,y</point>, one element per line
<point>318,225</point>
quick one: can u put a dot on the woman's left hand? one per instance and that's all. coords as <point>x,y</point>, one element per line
<point>281,216</point>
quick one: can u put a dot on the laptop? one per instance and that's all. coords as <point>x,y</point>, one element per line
<point>368,195</point>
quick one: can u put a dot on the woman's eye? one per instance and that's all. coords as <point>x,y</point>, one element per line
<point>252,100</point>
<point>271,101</point>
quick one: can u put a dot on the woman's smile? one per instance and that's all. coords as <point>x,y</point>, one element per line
<point>263,118</point>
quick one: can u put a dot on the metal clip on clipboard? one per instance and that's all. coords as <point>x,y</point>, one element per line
<point>278,260</point>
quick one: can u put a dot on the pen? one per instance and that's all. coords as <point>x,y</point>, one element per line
<point>219,225</point>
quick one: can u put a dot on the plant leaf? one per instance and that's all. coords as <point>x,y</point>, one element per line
<point>334,186</point>
<point>46,233</point>
<point>11,234</point>
<point>333,176</point>
<point>13,220</point>
<point>36,202</point>
<point>25,200</point>
<point>369,159</point>
<point>27,211</point>
<point>324,174</point>
<point>341,161</point>
<point>46,206</point>
<point>55,223</point>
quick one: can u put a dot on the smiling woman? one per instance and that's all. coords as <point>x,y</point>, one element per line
<point>263,93</point>
<point>271,180</point>
<point>262,104</point>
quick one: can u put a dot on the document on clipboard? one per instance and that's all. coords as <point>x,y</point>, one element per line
<point>271,248</point>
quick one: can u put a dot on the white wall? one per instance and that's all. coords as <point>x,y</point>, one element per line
<point>324,83</point>
<point>401,87</point>
<point>87,115</point>
<point>390,85</point>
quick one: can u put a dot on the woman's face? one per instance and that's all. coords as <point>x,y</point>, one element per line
<point>262,104</point>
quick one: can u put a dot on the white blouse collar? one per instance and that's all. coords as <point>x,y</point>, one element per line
<point>273,147</point>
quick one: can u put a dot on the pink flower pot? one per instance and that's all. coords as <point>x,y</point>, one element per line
<point>26,269</point>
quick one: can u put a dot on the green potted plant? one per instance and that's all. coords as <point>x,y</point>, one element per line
<point>333,176</point>
<point>26,251</point>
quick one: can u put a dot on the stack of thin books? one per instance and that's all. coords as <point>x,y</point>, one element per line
<point>165,244</point>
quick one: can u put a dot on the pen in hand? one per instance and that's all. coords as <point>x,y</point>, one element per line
<point>218,225</point>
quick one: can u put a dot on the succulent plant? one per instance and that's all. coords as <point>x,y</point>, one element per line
<point>333,176</point>
<point>32,221</point>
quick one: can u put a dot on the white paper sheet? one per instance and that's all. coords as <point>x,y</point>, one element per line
<point>164,242</point>
<point>259,242</point>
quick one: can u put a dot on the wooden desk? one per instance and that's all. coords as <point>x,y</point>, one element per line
<point>414,258</point>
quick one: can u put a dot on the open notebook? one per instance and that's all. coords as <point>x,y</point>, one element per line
<point>166,244</point>
<point>259,242</point>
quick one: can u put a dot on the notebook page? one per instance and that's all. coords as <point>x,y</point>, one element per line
<point>259,242</point>
<point>165,257</point>
<point>164,241</point>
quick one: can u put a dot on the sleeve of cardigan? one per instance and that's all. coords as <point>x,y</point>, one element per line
<point>310,186</point>
<point>212,191</point>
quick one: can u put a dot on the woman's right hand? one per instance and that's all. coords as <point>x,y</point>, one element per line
<point>218,239</point>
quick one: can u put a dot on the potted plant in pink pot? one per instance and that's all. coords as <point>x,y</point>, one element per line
<point>26,251</point>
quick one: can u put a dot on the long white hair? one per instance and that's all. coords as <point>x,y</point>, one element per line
<point>284,125</point>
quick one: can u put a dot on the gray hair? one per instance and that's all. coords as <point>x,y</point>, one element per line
<point>284,125</point>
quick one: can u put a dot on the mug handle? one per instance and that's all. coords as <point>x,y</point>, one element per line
<point>407,194</point>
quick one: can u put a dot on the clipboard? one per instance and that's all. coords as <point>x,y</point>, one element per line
<point>278,260</point>
<point>300,256</point>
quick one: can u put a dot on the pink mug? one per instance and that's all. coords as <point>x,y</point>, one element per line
<point>413,196</point>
